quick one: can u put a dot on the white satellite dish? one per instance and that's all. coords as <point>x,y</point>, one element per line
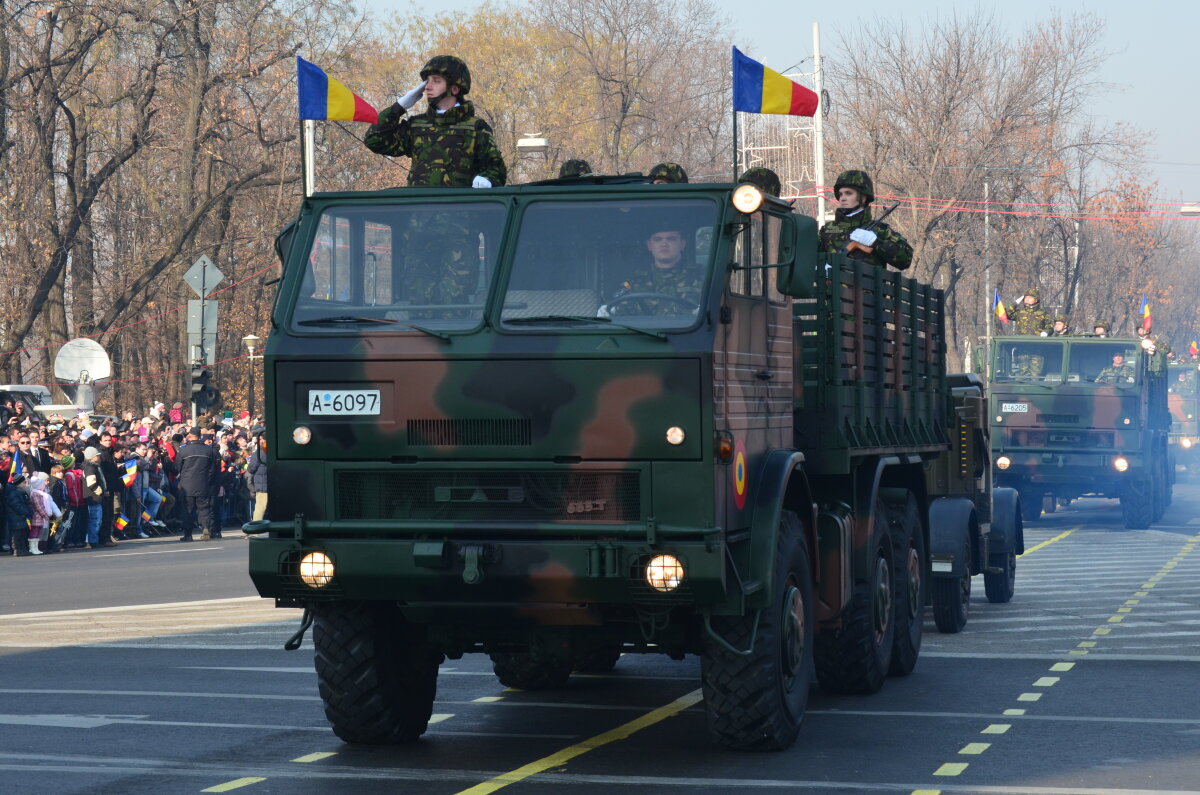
<point>82,361</point>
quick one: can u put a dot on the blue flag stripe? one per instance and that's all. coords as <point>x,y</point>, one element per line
<point>747,83</point>
<point>312,88</point>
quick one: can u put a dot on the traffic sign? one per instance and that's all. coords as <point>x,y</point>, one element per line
<point>203,276</point>
<point>203,348</point>
<point>196,321</point>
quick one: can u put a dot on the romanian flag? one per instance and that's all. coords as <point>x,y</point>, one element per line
<point>145,516</point>
<point>998,307</point>
<point>325,99</point>
<point>120,522</point>
<point>1194,348</point>
<point>757,89</point>
<point>16,467</point>
<point>130,474</point>
<point>1147,321</point>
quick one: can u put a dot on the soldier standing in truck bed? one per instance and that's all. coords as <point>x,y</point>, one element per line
<point>449,146</point>
<point>1028,317</point>
<point>847,233</point>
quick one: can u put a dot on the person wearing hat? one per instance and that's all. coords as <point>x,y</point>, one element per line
<point>1027,317</point>
<point>449,146</point>
<point>199,467</point>
<point>18,513</point>
<point>764,179</point>
<point>1100,328</point>
<point>1119,372</point>
<point>95,487</point>
<point>574,168</point>
<point>667,173</point>
<point>257,467</point>
<point>1062,327</point>
<point>670,275</point>
<point>854,233</point>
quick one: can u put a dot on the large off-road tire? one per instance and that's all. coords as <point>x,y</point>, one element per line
<point>756,702</point>
<point>952,597</point>
<point>1137,504</point>
<point>855,657</point>
<point>909,539</point>
<point>376,675</point>
<point>526,671</point>
<point>1001,586</point>
<point>1031,505</point>
<point>598,661</point>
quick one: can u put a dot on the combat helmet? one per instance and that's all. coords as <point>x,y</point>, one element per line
<point>1035,292</point>
<point>668,172</point>
<point>451,67</point>
<point>859,180</point>
<point>574,168</point>
<point>764,179</point>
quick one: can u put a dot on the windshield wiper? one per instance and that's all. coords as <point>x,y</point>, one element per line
<point>583,319</point>
<point>349,320</point>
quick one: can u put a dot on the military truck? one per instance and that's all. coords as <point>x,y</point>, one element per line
<point>1183,397</point>
<point>1081,415</point>
<point>981,531</point>
<point>496,428</point>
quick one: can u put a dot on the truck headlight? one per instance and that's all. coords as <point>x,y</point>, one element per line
<point>1120,464</point>
<point>316,569</point>
<point>675,435</point>
<point>301,435</point>
<point>747,199</point>
<point>664,573</point>
<point>1003,462</point>
<point>1185,442</point>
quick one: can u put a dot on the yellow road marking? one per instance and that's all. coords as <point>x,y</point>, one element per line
<point>438,717</point>
<point>237,783</point>
<point>1063,666</point>
<point>488,699</point>
<point>1101,631</point>
<point>951,769</point>
<point>1029,697</point>
<point>926,792</point>
<point>1141,593</point>
<point>1049,541</point>
<point>1014,712</point>
<point>1115,619</point>
<point>1046,681</point>
<point>1147,586</point>
<point>1077,651</point>
<point>1133,601</point>
<point>1125,609</point>
<point>975,749</point>
<point>997,728</point>
<point>1087,644</point>
<point>317,757</point>
<point>559,758</point>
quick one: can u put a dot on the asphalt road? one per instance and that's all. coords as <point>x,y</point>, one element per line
<point>152,668</point>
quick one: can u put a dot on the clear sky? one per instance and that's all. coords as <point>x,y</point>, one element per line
<point>1153,68</point>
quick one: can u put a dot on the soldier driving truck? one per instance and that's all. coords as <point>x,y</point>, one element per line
<point>734,469</point>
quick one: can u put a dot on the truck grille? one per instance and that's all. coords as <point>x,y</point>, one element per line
<point>1064,439</point>
<point>460,433</point>
<point>1058,419</point>
<point>588,497</point>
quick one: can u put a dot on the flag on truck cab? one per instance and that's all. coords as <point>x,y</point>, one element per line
<point>1147,321</point>
<point>757,89</point>
<point>998,307</point>
<point>324,99</point>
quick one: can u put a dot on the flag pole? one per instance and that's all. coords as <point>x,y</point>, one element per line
<point>307,133</point>
<point>735,147</point>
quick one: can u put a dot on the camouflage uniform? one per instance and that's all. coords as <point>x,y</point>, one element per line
<point>1066,332</point>
<point>668,172</point>
<point>764,178</point>
<point>1029,320</point>
<point>574,168</point>
<point>1117,374</point>
<point>681,281</point>
<point>890,249</point>
<point>449,149</point>
<point>1103,325</point>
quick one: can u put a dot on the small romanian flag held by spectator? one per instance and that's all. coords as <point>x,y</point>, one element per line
<point>145,516</point>
<point>15,468</point>
<point>324,99</point>
<point>1194,348</point>
<point>1147,321</point>
<point>998,307</point>
<point>120,522</point>
<point>757,89</point>
<point>130,474</point>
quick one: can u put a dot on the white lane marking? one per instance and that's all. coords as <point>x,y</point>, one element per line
<point>123,608</point>
<point>156,552</point>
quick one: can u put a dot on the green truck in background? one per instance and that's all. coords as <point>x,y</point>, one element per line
<point>1081,415</point>
<point>497,428</point>
<point>1183,397</point>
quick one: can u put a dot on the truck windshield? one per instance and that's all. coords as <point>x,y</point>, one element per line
<point>1183,380</point>
<point>415,268</point>
<point>1031,360</point>
<point>643,264</point>
<point>1104,363</point>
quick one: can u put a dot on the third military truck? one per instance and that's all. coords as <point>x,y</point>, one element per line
<point>1184,400</point>
<point>1081,415</point>
<point>560,422</point>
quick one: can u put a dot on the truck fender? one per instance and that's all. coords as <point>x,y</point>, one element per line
<point>950,529</point>
<point>1007,532</point>
<point>770,495</point>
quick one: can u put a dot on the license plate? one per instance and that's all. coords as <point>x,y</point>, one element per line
<point>1014,408</point>
<point>342,402</point>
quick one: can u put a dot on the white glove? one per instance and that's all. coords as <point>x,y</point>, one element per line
<point>408,100</point>
<point>864,236</point>
<point>481,182</point>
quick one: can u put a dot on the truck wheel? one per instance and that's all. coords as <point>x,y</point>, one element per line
<point>1031,505</point>
<point>952,597</point>
<point>756,702</point>
<point>526,671</point>
<point>376,675</point>
<point>1001,586</point>
<point>598,661</point>
<point>1137,505</point>
<point>855,657</point>
<point>909,539</point>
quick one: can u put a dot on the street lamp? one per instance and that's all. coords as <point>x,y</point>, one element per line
<point>1192,208</point>
<point>251,342</point>
<point>533,142</point>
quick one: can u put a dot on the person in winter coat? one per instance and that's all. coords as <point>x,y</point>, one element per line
<point>44,512</point>
<point>199,468</point>
<point>257,468</point>
<point>95,488</point>
<point>19,513</point>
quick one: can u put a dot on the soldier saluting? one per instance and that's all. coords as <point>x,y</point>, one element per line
<point>1028,317</point>
<point>449,146</point>
<point>848,234</point>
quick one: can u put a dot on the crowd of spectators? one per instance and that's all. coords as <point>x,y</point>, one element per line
<point>90,481</point>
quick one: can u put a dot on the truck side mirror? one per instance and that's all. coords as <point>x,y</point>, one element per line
<point>798,277</point>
